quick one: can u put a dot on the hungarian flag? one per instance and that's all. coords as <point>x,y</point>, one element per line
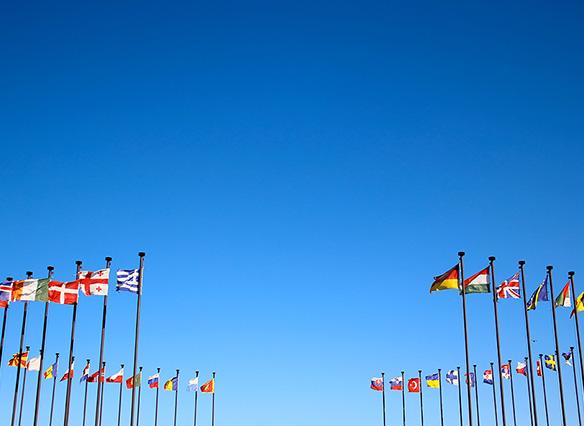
<point>521,368</point>
<point>208,387</point>
<point>5,293</point>
<point>377,384</point>
<point>93,378</point>
<point>69,374</point>
<point>94,283</point>
<point>414,385</point>
<point>579,305</point>
<point>478,283</point>
<point>23,358</point>
<point>447,281</point>
<point>563,298</point>
<point>116,378</point>
<point>31,290</point>
<point>134,382</point>
<point>64,293</point>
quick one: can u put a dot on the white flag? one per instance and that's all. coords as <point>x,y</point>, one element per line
<point>34,364</point>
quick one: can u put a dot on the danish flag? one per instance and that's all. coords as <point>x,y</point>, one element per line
<point>64,293</point>
<point>94,283</point>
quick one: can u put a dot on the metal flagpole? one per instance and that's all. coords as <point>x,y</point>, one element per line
<point>496,314</point>
<point>528,335</point>
<point>138,302</point>
<point>474,369</point>
<point>101,376</point>
<point>71,345</point>
<point>574,295</point>
<point>4,317</point>
<point>494,396</point>
<point>176,397</point>
<point>22,332</point>
<point>576,385</point>
<point>156,404</point>
<point>120,400</point>
<point>459,396</point>
<point>213,402</point>
<point>139,395</point>
<point>440,394</point>
<point>512,393</point>
<point>196,396</point>
<point>421,398</point>
<point>529,394</point>
<point>467,359</point>
<point>108,262</point>
<point>23,390</point>
<point>53,392</point>
<point>383,396</point>
<point>42,355</point>
<point>547,417</point>
<point>558,363</point>
<point>85,397</point>
<point>403,398</point>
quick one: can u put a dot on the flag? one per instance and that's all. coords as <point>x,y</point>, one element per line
<point>153,381</point>
<point>208,387</point>
<point>94,377</point>
<point>52,371</point>
<point>194,384</point>
<point>23,360</point>
<point>550,362</point>
<point>128,280</point>
<point>539,370</point>
<point>69,374</point>
<point>488,377</point>
<point>85,374</point>
<point>414,385</point>
<point>447,281</point>
<point>64,293</point>
<point>579,305</point>
<point>478,283</point>
<point>509,289</point>
<point>5,293</point>
<point>433,381</point>
<point>563,298</point>
<point>34,364</point>
<point>539,295</point>
<point>506,371</point>
<point>31,290</point>
<point>472,378</point>
<point>452,377</point>
<point>134,382</point>
<point>568,358</point>
<point>171,384</point>
<point>521,368</point>
<point>116,378</point>
<point>396,384</point>
<point>94,283</point>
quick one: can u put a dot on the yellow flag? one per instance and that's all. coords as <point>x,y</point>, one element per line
<point>579,305</point>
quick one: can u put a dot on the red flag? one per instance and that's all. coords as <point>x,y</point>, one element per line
<point>93,377</point>
<point>414,385</point>
<point>68,374</point>
<point>64,293</point>
<point>116,378</point>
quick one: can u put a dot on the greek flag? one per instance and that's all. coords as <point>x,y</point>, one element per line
<point>452,377</point>
<point>128,280</point>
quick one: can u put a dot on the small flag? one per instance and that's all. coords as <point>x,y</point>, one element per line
<point>171,384</point>
<point>550,362</point>
<point>579,305</point>
<point>64,293</point>
<point>563,298</point>
<point>116,378</point>
<point>128,280</point>
<point>447,281</point>
<point>94,283</point>
<point>509,289</point>
<point>414,385</point>
<point>433,381</point>
<point>506,371</point>
<point>23,360</point>
<point>396,384</point>
<point>68,375</point>
<point>52,371</point>
<point>472,379</point>
<point>568,358</point>
<point>31,290</point>
<point>521,368</point>
<point>539,370</point>
<point>478,283</point>
<point>377,384</point>
<point>134,382</point>
<point>193,384</point>
<point>488,377</point>
<point>452,377</point>
<point>5,293</point>
<point>208,387</point>
<point>85,374</point>
<point>34,364</point>
<point>153,381</point>
<point>539,295</point>
<point>94,377</point>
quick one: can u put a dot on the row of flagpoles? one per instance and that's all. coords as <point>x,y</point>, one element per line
<point>512,288</point>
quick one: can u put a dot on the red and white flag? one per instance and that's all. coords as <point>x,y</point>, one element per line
<point>509,289</point>
<point>93,378</point>
<point>94,283</point>
<point>414,385</point>
<point>506,371</point>
<point>116,378</point>
<point>521,368</point>
<point>68,374</point>
<point>539,372</point>
<point>64,293</point>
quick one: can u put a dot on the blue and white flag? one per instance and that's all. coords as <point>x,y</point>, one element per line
<point>452,377</point>
<point>193,384</point>
<point>128,280</point>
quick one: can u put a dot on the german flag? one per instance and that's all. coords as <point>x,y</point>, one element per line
<point>447,281</point>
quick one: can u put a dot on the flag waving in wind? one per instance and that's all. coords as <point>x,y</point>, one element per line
<point>153,381</point>
<point>171,384</point>
<point>94,283</point>
<point>568,358</point>
<point>85,374</point>
<point>64,293</point>
<point>128,280</point>
<point>521,368</point>
<point>447,281</point>
<point>509,289</point>
<point>452,377</point>
<point>563,298</point>
<point>5,293</point>
<point>377,384</point>
<point>539,295</point>
<point>579,305</point>
<point>208,387</point>
<point>116,378</point>
<point>433,381</point>
<point>478,283</point>
<point>193,384</point>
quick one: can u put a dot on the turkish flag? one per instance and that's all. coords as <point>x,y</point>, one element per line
<point>414,385</point>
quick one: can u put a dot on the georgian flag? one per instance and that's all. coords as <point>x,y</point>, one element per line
<point>94,283</point>
<point>64,293</point>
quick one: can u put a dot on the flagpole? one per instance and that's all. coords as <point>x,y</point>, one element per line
<point>23,391</point>
<point>383,396</point>
<point>4,317</point>
<point>512,393</point>
<point>71,345</point>
<point>403,398</point>
<point>156,404</point>
<point>108,262</point>
<point>421,398</point>
<point>53,393</point>
<point>574,295</point>
<point>547,417</point>
<point>196,396</point>
<point>440,394</point>
<point>213,402</point>
<point>459,396</point>
<point>138,302</point>
<point>22,332</point>
<point>474,368</point>
<point>85,397</point>
<point>576,385</point>
<point>528,335</point>
<point>529,394</point>
<point>467,359</point>
<point>494,396</point>
<point>176,397</point>
<point>120,400</point>
<point>101,377</point>
<point>139,396</point>
<point>42,355</point>
<point>496,313</point>
<point>558,363</point>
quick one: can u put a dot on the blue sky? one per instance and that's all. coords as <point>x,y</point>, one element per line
<point>297,173</point>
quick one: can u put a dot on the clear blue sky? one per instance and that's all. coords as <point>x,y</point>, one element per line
<point>296,172</point>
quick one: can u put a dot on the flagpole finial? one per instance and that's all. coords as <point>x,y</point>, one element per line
<point>197,372</point>
<point>491,258</point>
<point>158,369</point>
<point>571,274</point>
<point>521,263</point>
<point>29,274</point>
<point>50,268</point>
<point>461,253</point>
<point>439,369</point>
<point>141,254</point>
<point>57,354</point>
<point>78,262</point>
<point>9,278</point>
<point>571,348</point>
<point>88,360</point>
<point>540,355</point>
<point>108,259</point>
<point>120,364</point>
<point>140,368</point>
<point>420,371</point>
<point>549,267</point>
<point>27,348</point>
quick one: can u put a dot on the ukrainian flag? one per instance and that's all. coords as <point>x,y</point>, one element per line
<point>433,381</point>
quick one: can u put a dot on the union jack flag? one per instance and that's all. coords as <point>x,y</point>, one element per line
<point>509,289</point>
